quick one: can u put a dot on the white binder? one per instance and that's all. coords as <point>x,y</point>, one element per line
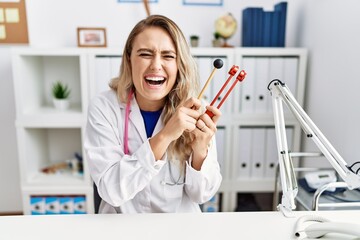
<point>243,152</point>
<point>102,74</point>
<point>115,67</point>
<point>262,96</point>
<point>276,71</point>
<point>220,146</point>
<point>258,153</point>
<point>220,77</point>
<point>272,151</point>
<point>247,94</point>
<point>205,66</point>
<point>291,73</point>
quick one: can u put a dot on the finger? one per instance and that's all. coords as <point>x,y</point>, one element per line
<point>193,103</point>
<point>190,113</point>
<point>216,113</point>
<point>201,125</point>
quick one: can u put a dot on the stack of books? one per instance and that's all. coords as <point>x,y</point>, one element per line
<point>264,28</point>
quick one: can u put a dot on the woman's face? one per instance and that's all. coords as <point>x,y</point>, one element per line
<point>154,67</point>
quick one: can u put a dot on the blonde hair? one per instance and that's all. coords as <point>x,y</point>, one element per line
<point>186,84</point>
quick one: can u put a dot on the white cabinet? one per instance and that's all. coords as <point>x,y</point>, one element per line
<point>246,141</point>
<point>49,138</point>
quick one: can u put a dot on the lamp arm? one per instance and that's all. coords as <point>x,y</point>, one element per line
<point>281,93</point>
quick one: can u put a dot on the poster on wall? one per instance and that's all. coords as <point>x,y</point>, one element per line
<point>13,23</point>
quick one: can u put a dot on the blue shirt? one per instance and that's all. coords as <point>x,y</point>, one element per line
<point>150,120</point>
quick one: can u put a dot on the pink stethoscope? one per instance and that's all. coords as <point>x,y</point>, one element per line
<point>126,134</point>
<point>126,142</point>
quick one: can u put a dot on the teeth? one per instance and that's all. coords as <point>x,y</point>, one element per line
<point>155,78</point>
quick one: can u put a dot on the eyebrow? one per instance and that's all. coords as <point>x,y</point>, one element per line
<point>152,51</point>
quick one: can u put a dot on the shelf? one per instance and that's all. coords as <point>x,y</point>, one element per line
<point>44,147</point>
<point>59,179</point>
<point>48,116</point>
<point>34,77</point>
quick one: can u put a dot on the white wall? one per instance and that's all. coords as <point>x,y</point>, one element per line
<point>326,27</point>
<point>331,32</point>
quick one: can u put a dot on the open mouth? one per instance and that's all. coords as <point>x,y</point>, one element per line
<point>155,80</point>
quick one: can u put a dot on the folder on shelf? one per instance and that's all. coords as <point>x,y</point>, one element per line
<point>79,205</point>
<point>52,205</point>
<point>271,160</point>
<point>247,91</point>
<point>37,205</point>
<point>66,205</point>
<point>258,153</point>
<point>102,74</point>
<point>290,73</point>
<point>212,205</point>
<point>220,146</point>
<point>243,152</point>
<point>281,8</point>
<point>276,70</point>
<point>272,151</point>
<point>114,66</point>
<point>262,96</point>
<point>205,67</point>
<point>218,81</point>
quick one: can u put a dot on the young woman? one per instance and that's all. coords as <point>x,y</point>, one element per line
<point>149,144</point>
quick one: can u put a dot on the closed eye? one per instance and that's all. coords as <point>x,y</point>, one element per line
<point>169,56</point>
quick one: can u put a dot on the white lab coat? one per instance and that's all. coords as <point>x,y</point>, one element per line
<point>136,183</point>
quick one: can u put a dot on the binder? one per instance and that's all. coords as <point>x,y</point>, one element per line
<point>66,205</point>
<point>247,95</point>
<point>291,73</point>
<point>205,66</point>
<point>212,205</point>
<point>52,205</point>
<point>79,205</point>
<point>247,27</point>
<point>275,41</point>
<point>258,153</point>
<point>281,8</point>
<point>243,153</point>
<point>218,81</point>
<point>115,67</point>
<point>271,153</point>
<point>220,147</point>
<point>258,26</point>
<point>266,29</point>
<point>102,74</point>
<point>262,95</point>
<point>276,71</point>
<point>272,156</point>
<point>37,205</point>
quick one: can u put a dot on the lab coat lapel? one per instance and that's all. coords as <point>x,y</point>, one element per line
<point>159,125</point>
<point>136,118</point>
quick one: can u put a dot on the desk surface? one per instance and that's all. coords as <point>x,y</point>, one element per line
<point>240,225</point>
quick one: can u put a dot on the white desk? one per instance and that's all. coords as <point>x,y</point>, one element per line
<point>200,226</point>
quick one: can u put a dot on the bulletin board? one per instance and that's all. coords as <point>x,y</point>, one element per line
<point>13,23</point>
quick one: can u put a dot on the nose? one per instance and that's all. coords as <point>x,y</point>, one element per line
<point>156,63</point>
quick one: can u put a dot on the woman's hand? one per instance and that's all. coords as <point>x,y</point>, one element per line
<point>203,133</point>
<point>184,119</point>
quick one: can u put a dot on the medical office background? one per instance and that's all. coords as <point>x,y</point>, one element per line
<point>328,29</point>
